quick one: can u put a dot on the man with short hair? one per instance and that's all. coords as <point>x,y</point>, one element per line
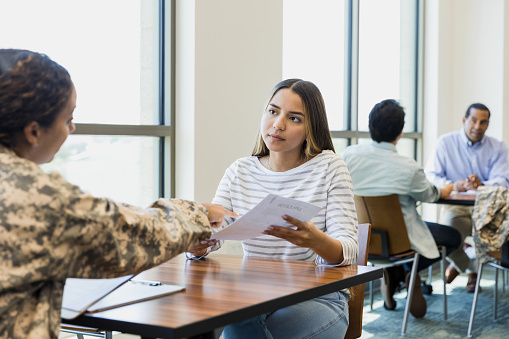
<point>468,158</point>
<point>377,169</point>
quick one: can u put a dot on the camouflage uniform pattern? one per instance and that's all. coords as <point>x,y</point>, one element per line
<point>490,220</point>
<point>51,230</point>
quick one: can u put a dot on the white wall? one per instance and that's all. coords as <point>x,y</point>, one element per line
<point>229,58</point>
<point>465,51</point>
<point>466,44</point>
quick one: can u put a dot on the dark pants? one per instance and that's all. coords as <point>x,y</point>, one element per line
<point>443,235</point>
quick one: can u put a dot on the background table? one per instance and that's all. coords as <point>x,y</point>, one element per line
<point>458,199</point>
<point>221,290</point>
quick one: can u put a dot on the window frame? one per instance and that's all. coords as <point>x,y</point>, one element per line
<point>351,113</point>
<point>165,129</point>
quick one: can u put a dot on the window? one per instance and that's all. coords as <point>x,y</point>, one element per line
<point>358,52</point>
<point>313,50</point>
<point>114,51</point>
<point>379,55</point>
<point>119,54</point>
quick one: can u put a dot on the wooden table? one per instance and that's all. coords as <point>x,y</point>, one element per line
<point>458,199</point>
<point>221,290</point>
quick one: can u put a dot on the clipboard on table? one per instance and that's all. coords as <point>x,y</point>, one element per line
<point>133,292</point>
<point>96,295</point>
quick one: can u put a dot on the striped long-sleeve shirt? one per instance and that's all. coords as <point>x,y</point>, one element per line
<point>323,181</point>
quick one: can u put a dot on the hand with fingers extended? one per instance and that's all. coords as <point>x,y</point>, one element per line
<point>460,186</point>
<point>202,247</point>
<point>304,235</point>
<point>473,182</point>
<point>216,214</point>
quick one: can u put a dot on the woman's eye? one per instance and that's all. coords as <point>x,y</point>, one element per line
<point>271,111</point>
<point>295,119</point>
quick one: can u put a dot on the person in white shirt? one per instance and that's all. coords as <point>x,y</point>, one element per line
<point>377,169</point>
<point>294,157</point>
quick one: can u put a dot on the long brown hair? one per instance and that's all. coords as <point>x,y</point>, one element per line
<point>32,88</point>
<point>318,136</point>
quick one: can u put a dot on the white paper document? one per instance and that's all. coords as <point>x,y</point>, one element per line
<point>268,212</point>
<point>97,295</point>
<point>79,294</point>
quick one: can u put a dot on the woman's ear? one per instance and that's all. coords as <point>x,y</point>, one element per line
<point>32,132</point>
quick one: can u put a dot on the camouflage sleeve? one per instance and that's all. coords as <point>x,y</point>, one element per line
<point>490,219</point>
<point>114,239</point>
<point>58,231</point>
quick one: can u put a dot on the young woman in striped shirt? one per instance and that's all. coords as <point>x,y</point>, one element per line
<point>294,157</point>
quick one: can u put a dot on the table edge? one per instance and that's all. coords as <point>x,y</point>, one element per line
<point>212,323</point>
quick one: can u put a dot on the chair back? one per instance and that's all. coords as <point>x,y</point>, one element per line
<point>356,302</point>
<point>389,236</point>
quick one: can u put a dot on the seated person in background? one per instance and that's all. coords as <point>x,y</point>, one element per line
<point>294,157</point>
<point>377,169</point>
<point>469,159</point>
<point>51,230</point>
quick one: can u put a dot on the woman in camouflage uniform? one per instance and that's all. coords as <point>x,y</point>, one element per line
<point>50,229</point>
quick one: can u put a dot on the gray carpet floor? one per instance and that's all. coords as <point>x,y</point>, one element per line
<point>381,323</point>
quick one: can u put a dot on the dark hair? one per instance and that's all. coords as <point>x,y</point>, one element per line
<point>32,88</point>
<point>386,121</point>
<point>318,136</point>
<point>478,106</point>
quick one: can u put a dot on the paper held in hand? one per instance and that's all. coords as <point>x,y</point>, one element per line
<point>268,212</point>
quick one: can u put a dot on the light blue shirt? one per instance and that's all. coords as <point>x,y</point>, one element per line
<point>377,169</point>
<point>456,158</point>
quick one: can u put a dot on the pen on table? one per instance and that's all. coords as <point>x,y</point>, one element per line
<point>147,282</point>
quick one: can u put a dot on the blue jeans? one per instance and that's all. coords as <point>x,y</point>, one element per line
<point>443,235</point>
<point>320,318</point>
